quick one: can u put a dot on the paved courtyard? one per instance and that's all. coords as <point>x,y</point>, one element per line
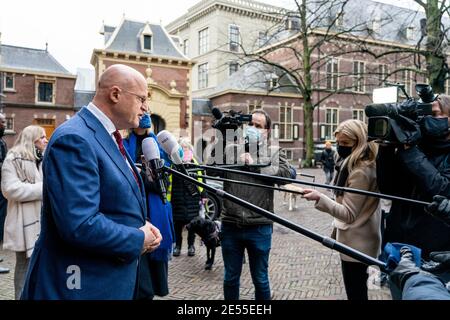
<point>300,268</point>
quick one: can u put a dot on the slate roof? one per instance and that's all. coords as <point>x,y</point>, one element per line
<point>30,59</point>
<point>126,37</point>
<point>253,77</point>
<point>359,16</point>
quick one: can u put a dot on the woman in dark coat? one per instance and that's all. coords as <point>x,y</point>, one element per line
<point>185,206</point>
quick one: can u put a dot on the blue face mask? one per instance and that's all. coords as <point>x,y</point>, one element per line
<point>252,135</point>
<point>145,122</point>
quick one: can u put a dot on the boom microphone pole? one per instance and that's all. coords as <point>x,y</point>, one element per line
<point>320,185</point>
<point>244,183</point>
<point>326,241</point>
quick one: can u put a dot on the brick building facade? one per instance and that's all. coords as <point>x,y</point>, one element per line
<point>149,49</point>
<point>36,90</point>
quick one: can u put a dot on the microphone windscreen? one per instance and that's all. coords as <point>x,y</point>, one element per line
<point>167,142</point>
<point>217,113</point>
<point>170,145</point>
<point>150,149</point>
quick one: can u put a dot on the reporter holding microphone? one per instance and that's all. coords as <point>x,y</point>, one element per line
<point>357,217</point>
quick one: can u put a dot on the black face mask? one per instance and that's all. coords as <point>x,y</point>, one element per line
<point>343,151</point>
<point>2,132</point>
<point>434,127</point>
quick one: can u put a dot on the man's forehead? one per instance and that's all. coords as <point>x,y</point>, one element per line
<point>258,117</point>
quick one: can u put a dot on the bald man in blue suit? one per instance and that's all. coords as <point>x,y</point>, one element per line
<point>93,217</point>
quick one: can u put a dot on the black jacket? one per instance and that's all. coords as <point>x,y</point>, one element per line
<point>412,174</point>
<point>185,207</point>
<point>327,159</point>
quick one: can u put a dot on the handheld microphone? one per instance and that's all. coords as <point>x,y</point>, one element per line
<point>217,113</point>
<point>154,166</point>
<point>170,145</point>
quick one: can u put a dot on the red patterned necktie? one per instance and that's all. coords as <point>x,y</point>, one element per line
<point>119,141</point>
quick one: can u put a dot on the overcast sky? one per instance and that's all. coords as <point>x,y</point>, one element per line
<point>71,27</point>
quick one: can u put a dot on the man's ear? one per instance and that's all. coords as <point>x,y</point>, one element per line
<point>114,94</point>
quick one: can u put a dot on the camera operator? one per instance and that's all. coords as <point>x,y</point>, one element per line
<point>242,228</point>
<point>418,172</point>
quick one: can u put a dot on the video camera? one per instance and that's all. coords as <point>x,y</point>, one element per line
<point>393,123</point>
<point>232,121</point>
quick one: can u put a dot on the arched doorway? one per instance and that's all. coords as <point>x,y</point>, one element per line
<point>158,124</point>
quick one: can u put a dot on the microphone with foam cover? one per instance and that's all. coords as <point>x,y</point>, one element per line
<point>217,113</point>
<point>170,145</point>
<point>154,166</point>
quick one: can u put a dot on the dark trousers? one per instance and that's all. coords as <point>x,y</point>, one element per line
<point>258,241</point>
<point>355,280</point>
<point>3,205</point>
<point>152,278</point>
<point>329,173</point>
<point>178,226</point>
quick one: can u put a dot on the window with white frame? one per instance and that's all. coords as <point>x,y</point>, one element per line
<point>376,25</point>
<point>340,19</point>
<point>285,123</point>
<point>254,106</point>
<point>289,154</point>
<point>331,123</point>
<point>406,79</point>
<point>203,76</point>
<point>186,47</point>
<point>382,73</point>
<point>410,33</point>
<point>9,82</point>
<point>147,42</point>
<point>358,76</point>
<point>234,38</point>
<point>359,115</point>
<point>233,67</point>
<point>45,92</point>
<point>332,74</point>
<point>203,41</point>
<point>9,124</point>
<point>262,39</point>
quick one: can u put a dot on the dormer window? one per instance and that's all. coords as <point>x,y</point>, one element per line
<point>272,81</point>
<point>147,42</point>
<point>376,26</point>
<point>292,23</point>
<point>147,39</point>
<point>410,33</point>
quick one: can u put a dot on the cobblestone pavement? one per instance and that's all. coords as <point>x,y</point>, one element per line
<point>299,267</point>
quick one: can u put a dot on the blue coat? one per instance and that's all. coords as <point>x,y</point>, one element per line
<point>89,246</point>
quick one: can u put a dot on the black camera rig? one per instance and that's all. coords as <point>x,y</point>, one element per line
<point>393,123</point>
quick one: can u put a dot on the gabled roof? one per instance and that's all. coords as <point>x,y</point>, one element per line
<point>29,59</point>
<point>126,38</point>
<point>254,77</point>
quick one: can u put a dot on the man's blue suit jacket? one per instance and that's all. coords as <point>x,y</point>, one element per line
<point>90,244</point>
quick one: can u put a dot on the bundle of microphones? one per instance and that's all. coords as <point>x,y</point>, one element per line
<point>155,165</point>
